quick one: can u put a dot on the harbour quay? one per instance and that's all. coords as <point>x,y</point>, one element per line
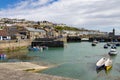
<point>104,39</point>
<point>49,42</point>
<point>73,39</point>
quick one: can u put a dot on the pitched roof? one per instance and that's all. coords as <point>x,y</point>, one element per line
<point>34,30</point>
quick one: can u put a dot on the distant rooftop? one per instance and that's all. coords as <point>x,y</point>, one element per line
<point>34,30</point>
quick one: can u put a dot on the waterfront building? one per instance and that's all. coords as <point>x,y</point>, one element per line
<point>13,32</point>
<point>51,32</point>
<point>4,34</point>
<point>33,33</point>
<point>92,33</point>
<point>70,33</point>
<point>20,32</point>
<point>112,34</point>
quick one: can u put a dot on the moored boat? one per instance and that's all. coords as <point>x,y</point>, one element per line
<point>117,44</point>
<point>108,64</point>
<point>37,48</point>
<point>101,63</point>
<point>112,52</point>
<point>108,44</point>
<point>95,41</point>
<point>113,46</point>
<point>105,46</point>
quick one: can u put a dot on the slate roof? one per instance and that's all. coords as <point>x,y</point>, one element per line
<point>34,30</point>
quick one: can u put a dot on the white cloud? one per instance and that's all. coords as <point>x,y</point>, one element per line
<point>91,14</point>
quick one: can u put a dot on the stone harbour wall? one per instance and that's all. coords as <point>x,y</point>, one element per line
<point>14,44</point>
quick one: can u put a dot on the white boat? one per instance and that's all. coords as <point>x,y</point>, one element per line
<point>112,52</point>
<point>95,41</point>
<point>105,46</point>
<point>113,46</point>
<point>108,64</point>
<point>101,63</point>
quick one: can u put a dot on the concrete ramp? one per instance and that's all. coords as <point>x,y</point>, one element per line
<point>22,66</point>
<point>13,71</point>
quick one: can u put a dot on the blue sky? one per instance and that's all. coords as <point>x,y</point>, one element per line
<point>103,15</point>
<point>5,3</point>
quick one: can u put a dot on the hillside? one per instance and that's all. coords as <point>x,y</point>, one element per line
<point>66,28</point>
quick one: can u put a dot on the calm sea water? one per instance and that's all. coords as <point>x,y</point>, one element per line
<point>77,60</point>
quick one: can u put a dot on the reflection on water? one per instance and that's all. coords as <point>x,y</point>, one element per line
<point>15,56</point>
<point>98,70</point>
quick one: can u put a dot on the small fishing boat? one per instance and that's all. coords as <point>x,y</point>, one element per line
<point>113,46</point>
<point>105,46</point>
<point>101,63</point>
<point>33,48</point>
<point>95,41</point>
<point>37,48</point>
<point>117,44</point>
<point>108,64</point>
<point>112,52</point>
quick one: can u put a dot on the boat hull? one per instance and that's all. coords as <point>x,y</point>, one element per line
<point>112,53</point>
<point>108,68</point>
<point>108,64</point>
<point>100,67</point>
<point>101,63</point>
<point>105,47</point>
<point>93,44</point>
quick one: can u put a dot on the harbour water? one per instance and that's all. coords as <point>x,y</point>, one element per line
<point>77,60</point>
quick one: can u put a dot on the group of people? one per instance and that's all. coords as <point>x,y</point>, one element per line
<point>2,56</point>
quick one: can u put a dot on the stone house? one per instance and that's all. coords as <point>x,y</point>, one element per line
<point>13,32</point>
<point>20,32</point>
<point>51,32</point>
<point>33,33</point>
